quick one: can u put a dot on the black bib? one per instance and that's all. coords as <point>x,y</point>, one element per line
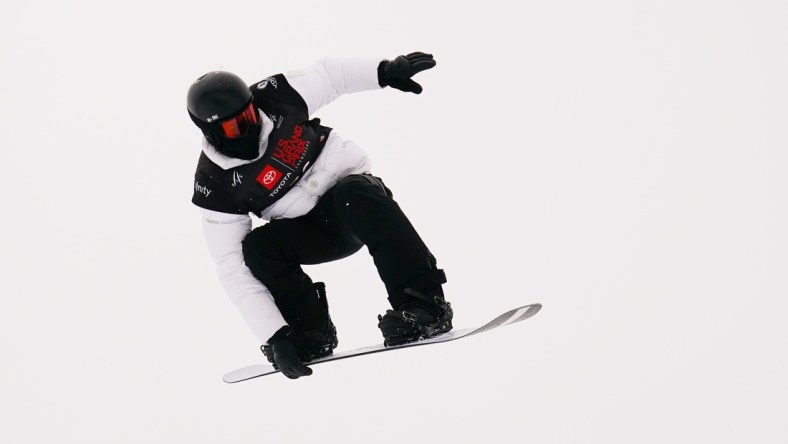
<point>293,145</point>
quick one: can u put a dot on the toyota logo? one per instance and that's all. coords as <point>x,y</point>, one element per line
<point>269,177</point>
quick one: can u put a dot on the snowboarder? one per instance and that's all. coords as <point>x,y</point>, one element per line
<point>263,156</point>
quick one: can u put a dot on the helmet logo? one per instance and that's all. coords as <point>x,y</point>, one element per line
<point>212,118</point>
<point>266,82</point>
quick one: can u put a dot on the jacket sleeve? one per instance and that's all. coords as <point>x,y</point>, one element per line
<point>329,78</point>
<point>224,234</point>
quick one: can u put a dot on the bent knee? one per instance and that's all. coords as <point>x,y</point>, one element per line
<point>359,185</point>
<point>250,243</point>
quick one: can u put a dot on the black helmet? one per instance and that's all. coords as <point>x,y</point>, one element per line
<point>221,105</point>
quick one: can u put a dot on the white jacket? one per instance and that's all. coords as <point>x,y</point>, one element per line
<point>318,85</point>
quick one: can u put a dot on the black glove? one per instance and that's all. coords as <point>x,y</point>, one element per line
<point>397,73</point>
<point>283,352</point>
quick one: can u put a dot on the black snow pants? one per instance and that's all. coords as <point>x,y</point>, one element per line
<point>357,211</point>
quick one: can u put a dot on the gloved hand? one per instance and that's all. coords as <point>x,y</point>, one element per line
<point>397,73</point>
<point>283,352</point>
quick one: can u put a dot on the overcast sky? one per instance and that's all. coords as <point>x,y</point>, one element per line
<point>621,162</point>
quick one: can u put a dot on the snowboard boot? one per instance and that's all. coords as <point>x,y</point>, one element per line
<point>425,315</point>
<point>313,343</point>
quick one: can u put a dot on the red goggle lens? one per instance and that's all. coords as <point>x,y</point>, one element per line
<point>238,126</point>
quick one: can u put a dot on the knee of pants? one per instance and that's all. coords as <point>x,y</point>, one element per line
<point>252,251</point>
<point>356,185</point>
<point>248,243</point>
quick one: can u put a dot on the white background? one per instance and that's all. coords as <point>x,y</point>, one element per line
<point>621,162</point>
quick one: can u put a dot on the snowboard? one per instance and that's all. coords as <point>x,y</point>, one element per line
<point>510,317</point>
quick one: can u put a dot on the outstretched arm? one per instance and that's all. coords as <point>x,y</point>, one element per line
<point>329,78</point>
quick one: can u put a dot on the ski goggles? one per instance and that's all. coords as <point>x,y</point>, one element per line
<point>239,125</point>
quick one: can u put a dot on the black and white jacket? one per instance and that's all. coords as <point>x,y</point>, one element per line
<point>220,179</point>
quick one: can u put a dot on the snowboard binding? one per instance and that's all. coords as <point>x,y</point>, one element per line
<point>425,316</point>
<point>312,343</point>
